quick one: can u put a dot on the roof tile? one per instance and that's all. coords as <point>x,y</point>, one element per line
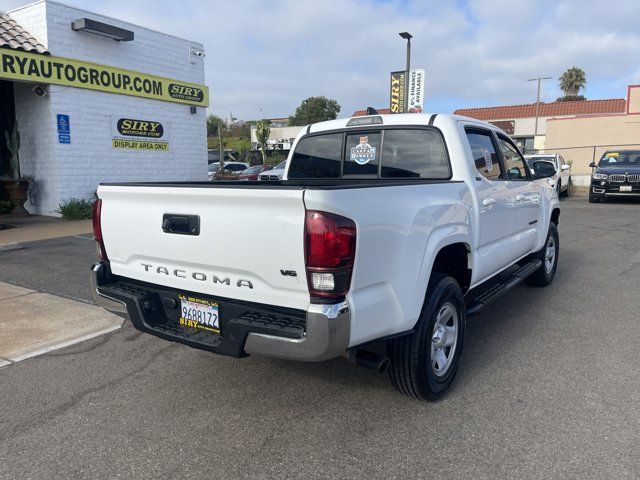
<point>15,37</point>
<point>552,109</point>
<point>362,113</point>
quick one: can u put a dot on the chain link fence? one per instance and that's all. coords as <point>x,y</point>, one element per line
<point>581,157</point>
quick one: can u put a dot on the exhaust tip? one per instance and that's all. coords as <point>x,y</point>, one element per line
<point>369,360</point>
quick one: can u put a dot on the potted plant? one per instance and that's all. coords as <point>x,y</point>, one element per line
<point>16,186</point>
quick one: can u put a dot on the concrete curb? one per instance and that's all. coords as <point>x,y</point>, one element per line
<point>64,344</point>
<point>35,323</point>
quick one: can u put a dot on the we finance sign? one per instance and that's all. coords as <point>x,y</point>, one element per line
<point>33,67</point>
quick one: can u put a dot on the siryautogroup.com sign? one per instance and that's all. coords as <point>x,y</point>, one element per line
<point>32,67</point>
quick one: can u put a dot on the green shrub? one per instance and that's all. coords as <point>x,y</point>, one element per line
<point>76,209</point>
<point>5,207</point>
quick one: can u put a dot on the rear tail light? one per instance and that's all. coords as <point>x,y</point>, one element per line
<point>330,247</point>
<point>97,230</point>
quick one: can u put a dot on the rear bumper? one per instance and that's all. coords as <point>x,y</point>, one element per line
<point>320,333</point>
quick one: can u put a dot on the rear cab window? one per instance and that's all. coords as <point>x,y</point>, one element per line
<point>384,153</point>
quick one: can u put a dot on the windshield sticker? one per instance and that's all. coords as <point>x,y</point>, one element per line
<point>363,153</point>
<point>487,160</point>
<point>612,155</point>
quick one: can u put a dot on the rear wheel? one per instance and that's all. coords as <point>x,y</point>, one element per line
<point>424,363</point>
<point>548,255</point>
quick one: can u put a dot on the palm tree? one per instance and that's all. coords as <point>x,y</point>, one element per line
<point>262,135</point>
<point>572,81</point>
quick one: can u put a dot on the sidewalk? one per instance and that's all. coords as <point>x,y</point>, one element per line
<point>37,227</point>
<point>34,323</point>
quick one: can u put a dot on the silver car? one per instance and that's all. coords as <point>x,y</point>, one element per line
<point>561,181</point>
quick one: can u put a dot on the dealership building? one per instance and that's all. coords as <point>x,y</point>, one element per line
<point>97,99</point>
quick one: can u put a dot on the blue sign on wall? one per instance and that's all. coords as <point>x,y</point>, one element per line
<point>64,129</point>
<point>63,124</point>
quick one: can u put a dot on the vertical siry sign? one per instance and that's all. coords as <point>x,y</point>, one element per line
<point>397,87</point>
<point>416,90</point>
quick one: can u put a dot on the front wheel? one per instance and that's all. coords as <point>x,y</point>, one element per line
<point>548,255</point>
<point>424,363</point>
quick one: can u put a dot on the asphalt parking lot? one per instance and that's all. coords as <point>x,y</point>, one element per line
<point>548,388</point>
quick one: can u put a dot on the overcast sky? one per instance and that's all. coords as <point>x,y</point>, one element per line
<point>270,55</point>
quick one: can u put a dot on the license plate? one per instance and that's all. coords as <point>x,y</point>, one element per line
<point>625,188</point>
<point>200,314</point>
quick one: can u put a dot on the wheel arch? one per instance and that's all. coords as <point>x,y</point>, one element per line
<point>455,260</point>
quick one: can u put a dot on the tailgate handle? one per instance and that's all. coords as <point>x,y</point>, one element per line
<point>181,224</point>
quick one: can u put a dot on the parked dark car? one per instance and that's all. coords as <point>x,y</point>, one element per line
<point>213,169</point>
<point>251,173</point>
<point>617,174</point>
<point>231,171</point>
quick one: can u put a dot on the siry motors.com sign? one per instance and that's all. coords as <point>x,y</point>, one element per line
<point>135,134</point>
<point>33,67</point>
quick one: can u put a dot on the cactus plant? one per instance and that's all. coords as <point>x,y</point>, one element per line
<point>13,145</point>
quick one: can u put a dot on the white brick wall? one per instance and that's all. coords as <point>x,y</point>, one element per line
<point>64,171</point>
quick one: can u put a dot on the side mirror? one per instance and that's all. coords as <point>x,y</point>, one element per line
<point>566,167</point>
<point>593,165</point>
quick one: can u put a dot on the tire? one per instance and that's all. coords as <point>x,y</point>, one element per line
<point>559,188</point>
<point>417,369</point>
<point>544,275</point>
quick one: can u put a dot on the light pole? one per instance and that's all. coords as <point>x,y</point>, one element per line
<point>407,36</point>
<point>539,80</point>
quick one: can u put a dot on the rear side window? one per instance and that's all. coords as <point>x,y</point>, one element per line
<point>317,157</point>
<point>414,154</point>
<point>485,156</point>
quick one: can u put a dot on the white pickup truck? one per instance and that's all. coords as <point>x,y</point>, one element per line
<point>384,235</point>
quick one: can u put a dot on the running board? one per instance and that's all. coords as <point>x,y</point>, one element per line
<point>501,288</point>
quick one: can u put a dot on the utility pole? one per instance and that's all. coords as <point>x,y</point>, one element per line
<point>539,80</point>
<point>407,36</point>
<point>221,149</point>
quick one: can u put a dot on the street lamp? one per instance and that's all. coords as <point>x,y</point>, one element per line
<point>539,80</point>
<point>407,36</point>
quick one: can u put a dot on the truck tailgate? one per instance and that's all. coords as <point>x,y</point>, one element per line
<point>250,245</point>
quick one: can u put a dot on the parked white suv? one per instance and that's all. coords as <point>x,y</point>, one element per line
<point>276,173</point>
<point>386,233</point>
<point>561,180</point>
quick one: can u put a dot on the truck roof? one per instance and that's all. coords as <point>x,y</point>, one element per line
<point>393,119</point>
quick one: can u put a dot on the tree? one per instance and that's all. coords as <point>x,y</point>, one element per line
<point>315,109</point>
<point>571,82</point>
<point>213,124</point>
<point>262,135</point>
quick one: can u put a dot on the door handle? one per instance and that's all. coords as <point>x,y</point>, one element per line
<point>487,202</point>
<point>181,224</point>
